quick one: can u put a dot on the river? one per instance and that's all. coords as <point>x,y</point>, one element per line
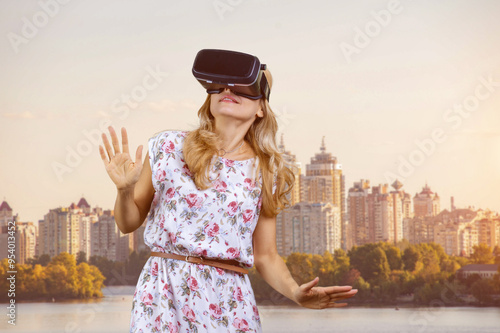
<point>112,314</point>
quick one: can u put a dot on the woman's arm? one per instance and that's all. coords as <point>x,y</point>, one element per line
<point>132,204</point>
<point>274,271</point>
<point>133,182</point>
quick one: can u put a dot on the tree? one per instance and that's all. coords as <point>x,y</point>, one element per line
<point>370,260</point>
<point>300,267</point>
<point>410,258</point>
<point>393,255</point>
<point>81,257</point>
<point>482,290</point>
<point>482,254</point>
<point>43,260</point>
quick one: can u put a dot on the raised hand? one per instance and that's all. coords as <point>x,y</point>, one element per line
<point>121,169</point>
<point>309,296</point>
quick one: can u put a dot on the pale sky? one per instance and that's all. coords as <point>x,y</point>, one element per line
<point>372,84</point>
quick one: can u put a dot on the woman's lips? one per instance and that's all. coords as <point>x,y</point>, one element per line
<point>228,99</point>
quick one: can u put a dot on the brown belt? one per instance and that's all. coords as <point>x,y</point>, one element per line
<point>226,264</point>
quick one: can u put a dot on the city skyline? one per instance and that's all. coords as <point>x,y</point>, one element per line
<point>387,83</point>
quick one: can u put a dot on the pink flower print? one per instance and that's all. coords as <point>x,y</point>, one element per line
<point>229,163</point>
<point>201,252</point>
<point>193,200</point>
<point>250,184</point>
<point>154,269</point>
<point>168,147</point>
<point>192,283</point>
<point>215,311</point>
<point>186,170</point>
<point>189,313</point>
<point>158,322</point>
<point>220,271</point>
<point>172,328</point>
<point>255,311</point>
<point>173,237</point>
<point>233,252</point>
<point>237,294</point>
<point>212,229</point>
<point>166,288</point>
<point>160,175</point>
<point>220,185</point>
<point>240,324</point>
<point>247,215</point>
<point>147,298</point>
<point>170,193</point>
<point>233,207</point>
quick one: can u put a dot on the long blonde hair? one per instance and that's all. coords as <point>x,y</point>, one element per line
<point>200,146</point>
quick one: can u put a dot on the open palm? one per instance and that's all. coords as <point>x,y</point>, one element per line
<point>121,169</point>
<point>309,296</point>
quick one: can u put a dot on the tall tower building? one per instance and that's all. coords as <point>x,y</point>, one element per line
<point>426,203</point>
<point>26,237</point>
<point>5,214</point>
<point>296,168</point>
<point>357,207</point>
<point>400,204</point>
<point>324,182</point>
<point>380,214</point>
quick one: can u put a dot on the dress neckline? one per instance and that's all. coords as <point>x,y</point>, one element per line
<point>237,161</point>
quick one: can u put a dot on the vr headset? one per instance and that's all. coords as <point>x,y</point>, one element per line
<point>242,73</point>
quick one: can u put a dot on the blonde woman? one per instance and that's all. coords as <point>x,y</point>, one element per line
<point>212,195</point>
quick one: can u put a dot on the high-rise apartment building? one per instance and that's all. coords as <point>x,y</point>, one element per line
<point>426,203</point>
<point>324,182</point>
<point>308,228</point>
<point>6,214</point>
<point>357,208</point>
<point>26,238</point>
<point>296,168</point>
<point>67,229</point>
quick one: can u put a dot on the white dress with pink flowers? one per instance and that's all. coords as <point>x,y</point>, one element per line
<point>177,296</point>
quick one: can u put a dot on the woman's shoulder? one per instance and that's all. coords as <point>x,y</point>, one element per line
<point>170,134</point>
<point>169,140</point>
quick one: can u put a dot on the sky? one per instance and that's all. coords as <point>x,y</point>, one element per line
<point>399,89</point>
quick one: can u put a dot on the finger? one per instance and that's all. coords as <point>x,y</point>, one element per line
<point>344,294</point>
<point>336,305</point>
<point>138,155</point>
<point>107,146</point>
<point>124,140</point>
<point>337,289</point>
<point>114,140</point>
<point>307,286</point>
<point>103,156</point>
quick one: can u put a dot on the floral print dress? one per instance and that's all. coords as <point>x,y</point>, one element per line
<point>177,296</point>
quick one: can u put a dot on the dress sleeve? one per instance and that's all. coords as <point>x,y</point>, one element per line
<point>154,150</point>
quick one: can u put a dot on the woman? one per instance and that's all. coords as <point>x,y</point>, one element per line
<point>212,193</point>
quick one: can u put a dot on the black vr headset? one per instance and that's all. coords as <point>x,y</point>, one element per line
<point>242,73</point>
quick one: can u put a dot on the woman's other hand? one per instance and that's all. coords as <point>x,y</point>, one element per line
<point>121,169</point>
<point>309,296</point>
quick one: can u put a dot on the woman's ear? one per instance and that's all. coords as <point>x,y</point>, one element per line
<point>260,113</point>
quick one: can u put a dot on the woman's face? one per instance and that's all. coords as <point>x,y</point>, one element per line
<point>226,106</point>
